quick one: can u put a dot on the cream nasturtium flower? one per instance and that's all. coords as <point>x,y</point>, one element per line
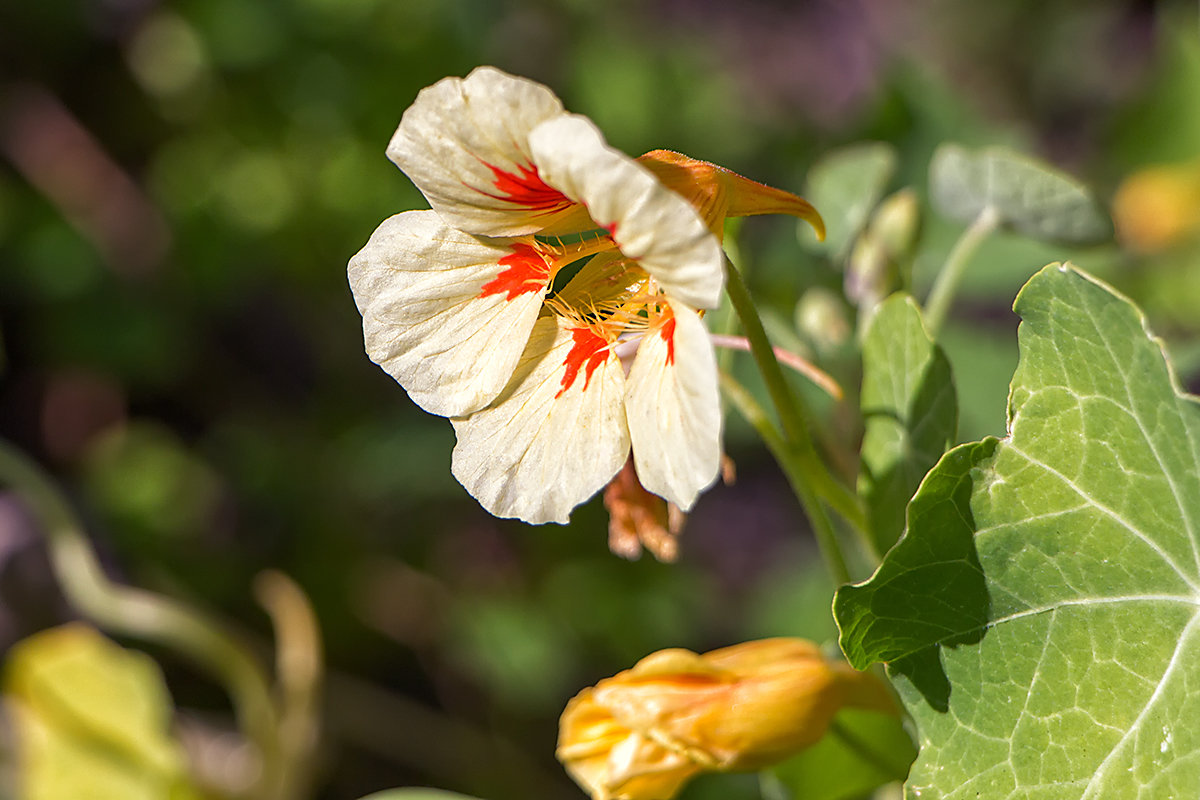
<point>549,303</point>
<point>642,734</point>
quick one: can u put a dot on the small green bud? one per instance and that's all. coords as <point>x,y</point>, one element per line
<point>822,319</point>
<point>896,225</point>
<point>870,274</point>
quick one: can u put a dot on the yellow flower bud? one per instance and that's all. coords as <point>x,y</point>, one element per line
<point>1158,207</point>
<point>643,733</point>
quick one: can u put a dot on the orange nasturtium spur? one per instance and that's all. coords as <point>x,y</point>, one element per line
<point>550,302</point>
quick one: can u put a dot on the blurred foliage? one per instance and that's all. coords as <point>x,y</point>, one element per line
<point>847,764</point>
<point>184,353</point>
<point>92,719</point>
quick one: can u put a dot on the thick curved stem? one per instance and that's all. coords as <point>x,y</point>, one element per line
<point>822,526</point>
<point>807,467</point>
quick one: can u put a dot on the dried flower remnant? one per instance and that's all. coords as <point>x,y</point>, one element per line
<point>642,734</point>
<point>640,519</point>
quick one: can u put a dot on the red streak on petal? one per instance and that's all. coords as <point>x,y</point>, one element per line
<point>526,272</point>
<point>667,332</point>
<point>527,189</point>
<point>588,351</point>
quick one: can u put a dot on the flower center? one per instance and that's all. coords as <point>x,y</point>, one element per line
<point>608,302</point>
<point>609,295</point>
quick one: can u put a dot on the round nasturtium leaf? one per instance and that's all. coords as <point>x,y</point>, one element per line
<point>1030,197</point>
<point>845,185</point>
<point>1041,615</point>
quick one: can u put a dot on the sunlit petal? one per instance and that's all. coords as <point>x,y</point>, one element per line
<point>649,222</point>
<point>465,143</point>
<point>555,436</point>
<point>674,409</point>
<point>444,313</point>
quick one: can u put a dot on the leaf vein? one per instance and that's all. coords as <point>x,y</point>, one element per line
<point>1109,512</point>
<point>1097,781</point>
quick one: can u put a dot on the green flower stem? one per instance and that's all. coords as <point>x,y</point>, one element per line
<point>145,615</point>
<point>787,404</point>
<point>827,542</point>
<point>790,408</point>
<point>726,324</point>
<point>945,286</point>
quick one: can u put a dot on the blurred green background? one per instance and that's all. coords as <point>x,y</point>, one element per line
<point>182,183</point>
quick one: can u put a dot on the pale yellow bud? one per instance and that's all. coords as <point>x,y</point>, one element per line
<point>896,224</point>
<point>643,733</point>
<point>881,260</point>
<point>821,316</point>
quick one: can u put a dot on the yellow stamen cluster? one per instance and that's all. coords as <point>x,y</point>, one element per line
<point>610,294</point>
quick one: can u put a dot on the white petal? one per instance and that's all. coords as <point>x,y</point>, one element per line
<point>649,222</point>
<point>540,449</point>
<point>674,410</point>
<point>428,319</point>
<point>465,143</point>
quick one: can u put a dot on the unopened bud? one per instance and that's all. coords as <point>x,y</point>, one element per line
<point>643,733</point>
<point>870,274</point>
<point>896,225</point>
<point>821,318</point>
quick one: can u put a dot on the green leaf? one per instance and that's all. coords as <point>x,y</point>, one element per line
<point>845,186</point>
<point>909,410</point>
<point>929,588</point>
<point>1042,612</point>
<point>1030,197</point>
<point>417,793</point>
<point>864,751</point>
<point>92,719</point>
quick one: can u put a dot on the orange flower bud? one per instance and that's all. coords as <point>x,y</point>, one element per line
<point>718,193</point>
<point>643,733</point>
